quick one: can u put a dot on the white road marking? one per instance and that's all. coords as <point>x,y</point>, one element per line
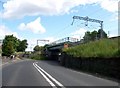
<point>58,83</point>
<point>47,79</point>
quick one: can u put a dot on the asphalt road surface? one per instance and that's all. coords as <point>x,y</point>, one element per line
<point>47,73</point>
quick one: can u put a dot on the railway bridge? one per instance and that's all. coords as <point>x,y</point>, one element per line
<point>54,49</point>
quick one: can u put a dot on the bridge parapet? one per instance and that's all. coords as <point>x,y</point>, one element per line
<point>67,39</point>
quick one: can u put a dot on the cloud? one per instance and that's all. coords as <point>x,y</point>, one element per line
<point>31,44</point>
<point>110,5</point>
<point>5,31</point>
<point>79,33</point>
<point>115,17</point>
<point>21,8</point>
<point>35,26</point>
<point>112,35</point>
<point>112,32</point>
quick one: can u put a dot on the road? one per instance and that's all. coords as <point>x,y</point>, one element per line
<point>48,73</point>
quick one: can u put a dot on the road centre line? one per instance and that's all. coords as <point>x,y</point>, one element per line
<point>50,77</point>
<point>53,79</point>
<point>47,79</point>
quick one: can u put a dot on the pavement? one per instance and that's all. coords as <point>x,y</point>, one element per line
<point>49,73</point>
<point>5,60</point>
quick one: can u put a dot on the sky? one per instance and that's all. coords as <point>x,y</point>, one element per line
<point>51,19</point>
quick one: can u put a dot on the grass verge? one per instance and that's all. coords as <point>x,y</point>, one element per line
<point>100,48</point>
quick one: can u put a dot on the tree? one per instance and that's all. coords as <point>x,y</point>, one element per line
<point>87,36</point>
<point>94,35</point>
<point>101,34</point>
<point>22,46</point>
<point>38,48</point>
<point>11,45</point>
<point>8,48</point>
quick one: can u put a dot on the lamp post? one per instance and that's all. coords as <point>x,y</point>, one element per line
<point>1,46</point>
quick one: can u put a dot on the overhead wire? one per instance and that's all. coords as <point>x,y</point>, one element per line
<point>58,34</point>
<point>94,12</point>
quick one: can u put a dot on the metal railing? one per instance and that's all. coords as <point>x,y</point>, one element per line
<point>67,39</point>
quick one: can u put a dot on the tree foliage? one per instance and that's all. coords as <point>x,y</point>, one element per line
<point>38,48</point>
<point>94,35</point>
<point>102,34</point>
<point>87,36</point>
<point>8,48</point>
<point>22,46</point>
<point>11,45</point>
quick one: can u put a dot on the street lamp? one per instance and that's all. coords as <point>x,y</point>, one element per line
<point>1,47</point>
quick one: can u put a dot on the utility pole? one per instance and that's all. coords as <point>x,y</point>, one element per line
<point>80,37</point>
<point>43,40</point>
<point>1,47</point>
<point>108,33</point>
<point>86,19</point>
<point>1,41</point>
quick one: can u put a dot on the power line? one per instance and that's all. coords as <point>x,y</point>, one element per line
<point>96,11</point>
<point>86,19</point>
<point>42,40</point>
<point>60,32</point>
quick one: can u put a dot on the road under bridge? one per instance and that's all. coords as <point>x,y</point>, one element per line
<point>54,49</point>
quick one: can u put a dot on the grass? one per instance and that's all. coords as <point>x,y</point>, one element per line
<point>100,48</point>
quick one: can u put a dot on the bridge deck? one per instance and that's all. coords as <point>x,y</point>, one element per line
<point>67,39</point>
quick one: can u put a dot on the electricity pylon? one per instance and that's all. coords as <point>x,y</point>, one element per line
<point>86,19</point>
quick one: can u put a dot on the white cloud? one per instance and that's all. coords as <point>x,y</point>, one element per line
<point>34,26</point>
<point>79,33</point>
<point>5,31</point>
<point>31,44</point>
<point>21,8</point>
<point>112,33</point>
<point>115,17</point>
<point>110,5</point>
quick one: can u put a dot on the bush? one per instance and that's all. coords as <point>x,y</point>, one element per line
<point>100,48</point>
<point>37,56</point>
<point>117,53</point>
